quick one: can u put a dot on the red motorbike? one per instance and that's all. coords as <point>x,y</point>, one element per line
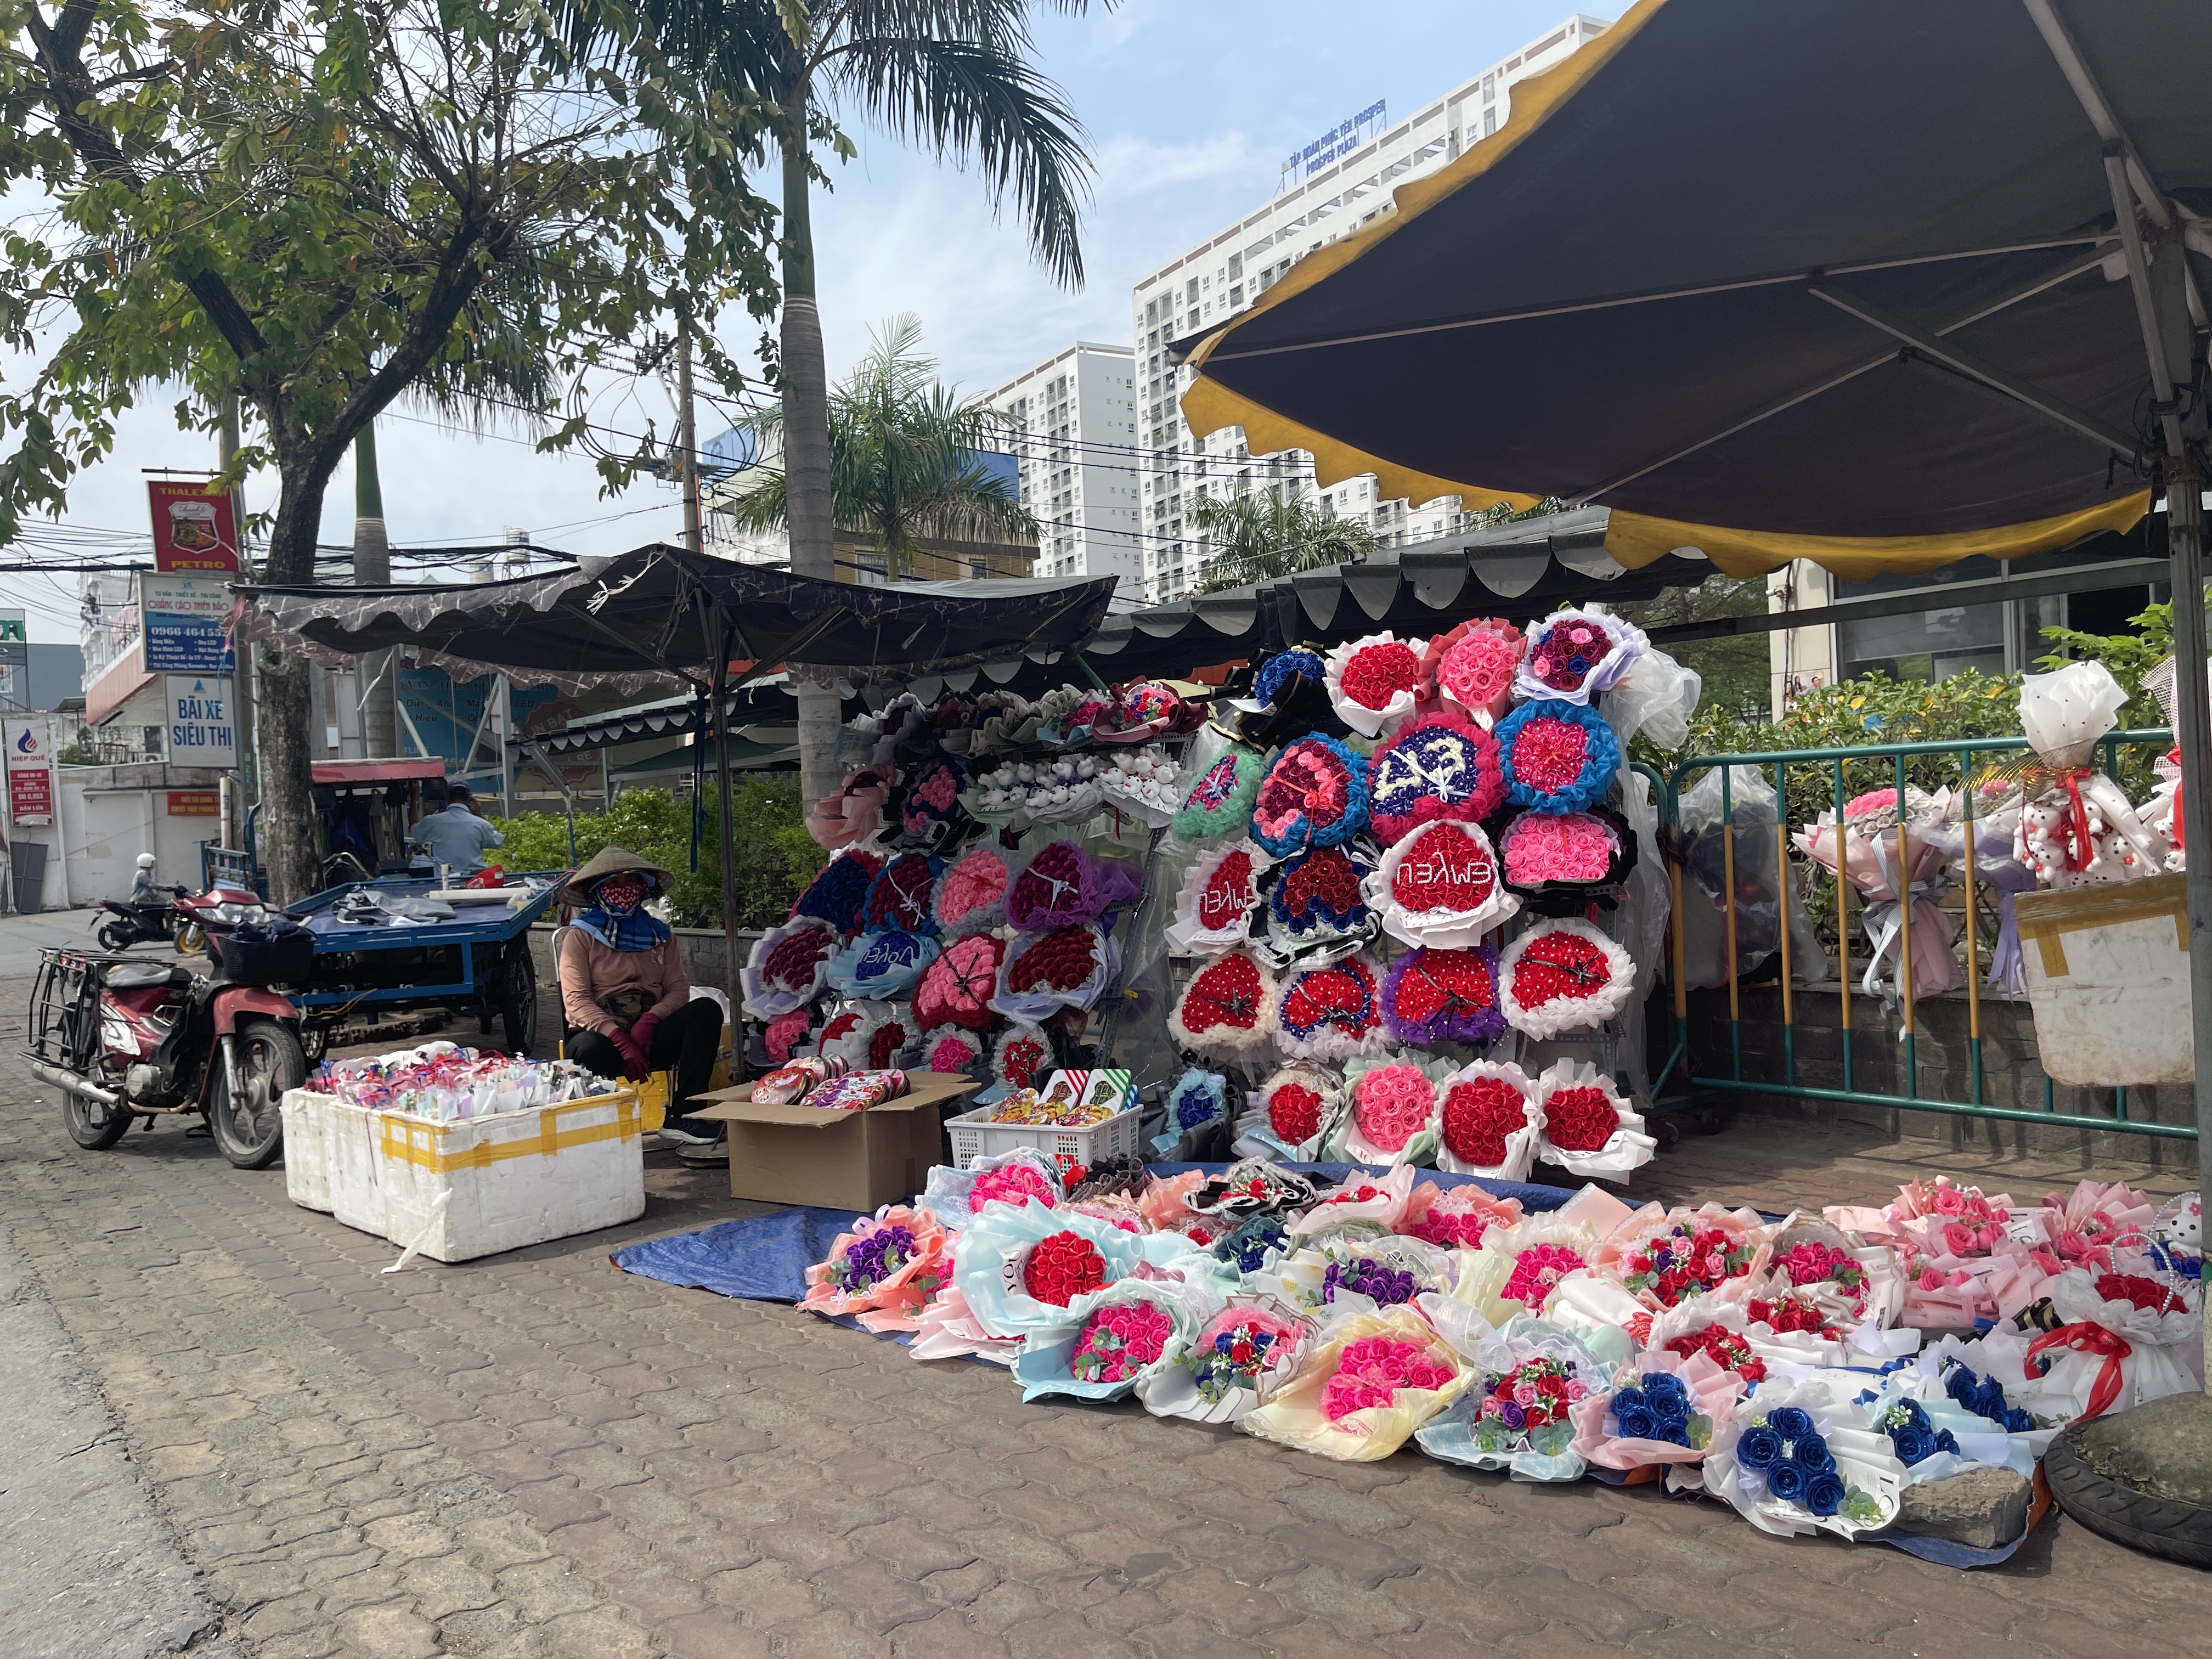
<point>128,1038</point>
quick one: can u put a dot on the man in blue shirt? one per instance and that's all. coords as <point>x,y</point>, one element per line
<point>456,836</point>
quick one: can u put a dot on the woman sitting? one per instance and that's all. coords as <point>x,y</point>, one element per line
<point>624,999</point>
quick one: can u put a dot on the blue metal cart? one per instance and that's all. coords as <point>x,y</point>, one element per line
<point>479,962</point>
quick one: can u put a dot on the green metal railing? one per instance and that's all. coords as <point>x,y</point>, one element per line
<point>1836,761</point>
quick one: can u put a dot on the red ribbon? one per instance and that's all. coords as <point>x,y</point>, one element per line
<point>2086,1338</point>
<point>2174,755</point>
<point>2084,849</point>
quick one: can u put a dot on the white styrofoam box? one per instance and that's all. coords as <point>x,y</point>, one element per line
<point>507,1180</point>
<point>973,1139</point>
<point>2108,980</point>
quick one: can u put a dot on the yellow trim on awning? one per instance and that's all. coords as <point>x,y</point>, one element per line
<point>1635,540</point>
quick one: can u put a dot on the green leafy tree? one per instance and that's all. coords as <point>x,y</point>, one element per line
<point>315,204</point>
<point>954,78</point>
<point>905,459</point>
<point>1734,668</point>
<point>1272,532</point>
<point>2129,656</point>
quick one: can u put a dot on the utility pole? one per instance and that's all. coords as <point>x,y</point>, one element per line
<point>242,679</point>
<point>687,438</point>
<point>377,672</point>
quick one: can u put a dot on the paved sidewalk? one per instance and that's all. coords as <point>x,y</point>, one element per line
<point>535,1455</point>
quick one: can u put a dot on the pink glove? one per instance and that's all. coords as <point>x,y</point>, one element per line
<point>641,1034</point>
<point>634,1067</point>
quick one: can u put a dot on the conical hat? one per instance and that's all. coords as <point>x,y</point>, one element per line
<point>606,862</point>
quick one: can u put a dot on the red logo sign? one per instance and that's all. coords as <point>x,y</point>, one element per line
<point>195,803</point>
<point>195,526</point>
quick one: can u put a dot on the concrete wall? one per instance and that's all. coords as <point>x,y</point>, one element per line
<point>2011,1074</point>
<point>111,814</point>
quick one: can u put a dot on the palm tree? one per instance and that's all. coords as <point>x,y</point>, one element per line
<point>1272,533</point>
<point>955,78</point>
<point>905,457</point>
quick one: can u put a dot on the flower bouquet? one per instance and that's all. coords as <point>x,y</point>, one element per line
<point>1588,1129</point>
<point>2088,1224</point>
<point>787,967</point>
<point>1978,1400</point>
<point>952,1050</point>
<point>1063,886</point>
<point>1023,1175</point>
<point>1120,1335</point>
<point>1663,1408</point>
<point>1431,994</point>
<point>1256,1244</point>
<point>1562,975</point>
<point>839,890</point>
<point>885,1270</point>
<point>1518,1413</point>
<point>1455,1218</point>
<point>2124,1340</point>
<point>1471,669</point>
<point>1557,757</point>
<point>880,967</point>
<point>957,986</point>
<point>1021,1055</point>
<point>1794,1327</point>
<point>1665,1257</point>
<point>1365,1389</point>
<point>1249,1187</point>
<point>1962,1258</point>
<point>1227,1009</point>
<point>1195,1099</point>
<point>1718,1330</point>
<point>1869,861</point>
<point>867,1036</point>
<point>1562,863</point>
<point>900,898</point>
<point>1856,1283</point>
<point>1520,1266</point>
<point>855,812</point>
<point>1317,909</point>
<point>1019,1266</point>
<point>1488,1121</point>
<point>1440,886</point>
<point>1372,682</point>
<point>1220,803</point>
<point>1314,795</point>
<point>1576,653</point>
<point>1293,1113</point>
<point>1044,973</point>
<point>1332,1011</point>
<point>1217,897</point>
<point>1356,1268</point>
<point>1392,1118</point>
<point>1236,1363</point>
<point>1439,766</point>
<point>1379,1200</point>
<point>971,898</point>
<point>946,1327</point>
<point>1806,1459</point>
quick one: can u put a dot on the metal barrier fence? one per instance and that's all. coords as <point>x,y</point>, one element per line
<point>1836,763</point>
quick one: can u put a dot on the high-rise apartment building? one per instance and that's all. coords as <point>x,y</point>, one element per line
<point>1072,426</point>
<point>1329,189</point>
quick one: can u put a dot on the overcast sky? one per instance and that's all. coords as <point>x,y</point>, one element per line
<point>1190,109</point>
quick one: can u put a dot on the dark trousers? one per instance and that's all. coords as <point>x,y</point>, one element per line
<point>687,1039</point>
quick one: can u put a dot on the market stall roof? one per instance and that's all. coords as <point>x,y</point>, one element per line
<point>1838,282</point>
<point>376,771</point>
<point>643,619</point>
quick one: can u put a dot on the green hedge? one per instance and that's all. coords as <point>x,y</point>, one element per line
<point>775,856</point>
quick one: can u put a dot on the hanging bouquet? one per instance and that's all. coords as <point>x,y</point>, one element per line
<point>880,967</point>
<point>1488,1121</point>
<point>1363,1392</point>
<point>1293,1111</point>
<point>1332,1012</point>
<point>1065,967</point>
<point>1576,653</point>
<point>1217,896</point>
<point>1440,886</point>
<point>839,890</point>
<point>1439,766</point>
<point>1433,994</point>
<point>789,966</point>
<point>1557,757</point>
<point>1391,1120</point>
<point>1870,860</point>
<point>1227,1009</point>
<point>1372,682</point>
<point>1472,669</point>
<point>2076,825</point>
<point>1314,795</point>
<point>971,898</point>
<point>1122,1335</point>
<point>1220,801</point>
<point>885,1270</point>
<point>1455,1218</point>
<point>1562,975</point>
<point>1588,1129</point>
<point>1317,907</point>
<point>1237,1360</point>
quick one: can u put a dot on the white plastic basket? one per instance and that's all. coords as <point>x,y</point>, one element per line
<point>973,1139</point>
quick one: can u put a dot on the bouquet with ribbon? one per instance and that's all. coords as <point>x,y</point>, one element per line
<point>1239,1358</point>
<point>1362,1394</point>
<point>2122,1339</point>
<point>2073,813</point>
<point>1891,863</point>
<point>885,1270</point>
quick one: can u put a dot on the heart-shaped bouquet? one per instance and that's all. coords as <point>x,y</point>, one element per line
<point>1228,1008</point>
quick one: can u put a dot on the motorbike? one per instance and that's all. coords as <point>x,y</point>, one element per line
<point>126,1039</point>
<point>128,923</point>
<point>205,919</point>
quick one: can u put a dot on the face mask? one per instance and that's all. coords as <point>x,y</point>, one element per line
<point>620,895</point>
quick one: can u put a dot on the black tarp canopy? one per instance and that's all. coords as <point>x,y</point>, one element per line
<point>1838,281</point>
<point>661,617</point>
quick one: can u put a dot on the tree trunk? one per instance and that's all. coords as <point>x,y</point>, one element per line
<point>808,514</point>
<point>372,567</point>
<point>291,843</point>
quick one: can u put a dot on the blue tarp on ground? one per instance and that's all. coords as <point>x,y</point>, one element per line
<point>764,1258</point>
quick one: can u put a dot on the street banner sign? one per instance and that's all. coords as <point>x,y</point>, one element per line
<point>200,731</point>
<point>186,621</point>
<point>195,525</point>
<point>30,766</point>
<point>195,803</point>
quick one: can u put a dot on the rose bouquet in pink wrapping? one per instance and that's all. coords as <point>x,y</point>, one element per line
<point>1870,861</point>
<point>1962,1260</point>
<point>885,1270</point>
<point>1161,1206</point>
<point>2086,1226</point>
<point>1455,1218</point>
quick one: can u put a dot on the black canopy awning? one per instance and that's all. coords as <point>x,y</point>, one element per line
<point>1840,281</point>
<point>659,617</point>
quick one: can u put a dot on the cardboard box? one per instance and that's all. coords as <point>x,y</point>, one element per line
<point>855,1161</point>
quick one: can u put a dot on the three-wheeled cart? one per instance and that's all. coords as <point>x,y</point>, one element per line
<point>479,962</point>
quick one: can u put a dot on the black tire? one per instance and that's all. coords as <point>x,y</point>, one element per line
<point>114,936</point>
<point>94,1127</point>
<point>2156,1526</point>
<point>518,998</point>
<point>271,1058</point>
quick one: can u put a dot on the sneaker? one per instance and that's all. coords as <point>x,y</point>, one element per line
<point>672,1135</point>
<point>714,1152</point>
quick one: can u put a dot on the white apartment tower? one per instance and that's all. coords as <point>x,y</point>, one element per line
<point>1329,189</point>
<point>1072,426</point>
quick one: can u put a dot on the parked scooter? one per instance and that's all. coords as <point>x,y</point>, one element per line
<point>128,1039</point>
